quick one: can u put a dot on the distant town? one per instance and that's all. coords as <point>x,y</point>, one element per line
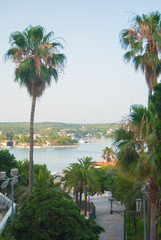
<point>46,137</point>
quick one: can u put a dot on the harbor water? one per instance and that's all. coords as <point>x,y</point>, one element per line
<point>59,159</point>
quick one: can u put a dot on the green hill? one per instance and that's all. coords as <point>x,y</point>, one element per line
<point>42,127</point>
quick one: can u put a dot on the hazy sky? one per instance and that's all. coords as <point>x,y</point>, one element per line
<point>97,85</point>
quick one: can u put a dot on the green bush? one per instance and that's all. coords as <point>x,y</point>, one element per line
<point>48,216</point>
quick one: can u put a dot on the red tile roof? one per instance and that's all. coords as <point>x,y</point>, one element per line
<point>103,164</point>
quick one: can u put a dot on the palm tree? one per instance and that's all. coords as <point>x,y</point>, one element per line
<point>108,153</point>
<point>88,177</point>
<point>44,183</point>
<point>82,176</point>
<point>38,61</point>
<point>72,181</point>
<point>136,143</point>
<point>143,44</point>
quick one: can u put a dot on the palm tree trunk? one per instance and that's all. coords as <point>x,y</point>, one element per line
<point>108,160</point>
<point>80,198</point>
<point>150,90</point>
<point>153,234</point>
<point>148,219</point>
<point>153,196</point>
<point>76,197</point>
<point>31,144</point>
<point>85,203</point>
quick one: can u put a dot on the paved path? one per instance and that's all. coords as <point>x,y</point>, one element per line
<point>113,224</point>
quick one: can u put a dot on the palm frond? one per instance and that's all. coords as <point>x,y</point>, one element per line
<point>10,54</point>
<point>47,37</point>
<point>129,55</point>
<point>132,194</point>
<point>139,62</point>
<point>17,39</point>
<point>57,44</point>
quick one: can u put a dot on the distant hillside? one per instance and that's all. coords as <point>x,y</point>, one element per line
<point>23,127</point>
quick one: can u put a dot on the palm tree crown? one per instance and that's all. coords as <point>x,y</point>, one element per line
<point>133,141</point>
<point>143,44</point>
<point>108,153</point>
<point>37,59</point>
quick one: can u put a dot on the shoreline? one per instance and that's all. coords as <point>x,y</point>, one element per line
<point>50,147</point>
<point>41,147</point>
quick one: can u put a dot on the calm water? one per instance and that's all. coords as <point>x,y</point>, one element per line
<point>58,159</point>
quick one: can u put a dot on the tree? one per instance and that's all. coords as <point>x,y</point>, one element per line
<point>44,183</point>
<point>21,188</point>
<point>7,161</point>
<point>82,176</point>
<point>65,140</point>
<point>108,153</point>
<point>106,177</point>
<point>24,139</point>
<point>127,191</point>
<point>48,215</point>
<point>72,181</point>
<point>136,142</point>
<point>38,61</point>
<point>88,177</point>
<point>156,101</point>
<point>143,44</point>
<point>9,135</point>
<point>23,167</point>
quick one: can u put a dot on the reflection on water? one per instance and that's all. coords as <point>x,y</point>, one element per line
<point>58,159</point>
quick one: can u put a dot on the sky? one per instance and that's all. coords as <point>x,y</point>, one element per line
<point>97,86</point>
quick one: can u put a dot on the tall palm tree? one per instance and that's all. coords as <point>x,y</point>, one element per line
<point>108,154</point>
<point>142,40</point>
<point>38,61</point>
<point>136,143</point>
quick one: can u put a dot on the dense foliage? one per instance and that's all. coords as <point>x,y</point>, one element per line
<point>51,214</point>
<point>156,100</point>
<point>106,177</point>
<point>7,162</point>
<point>64,141</point>
<point>53,217</point>
<point>21,188</point>
<point>138,146</point>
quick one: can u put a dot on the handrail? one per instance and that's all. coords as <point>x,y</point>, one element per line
<point>8,203</point>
